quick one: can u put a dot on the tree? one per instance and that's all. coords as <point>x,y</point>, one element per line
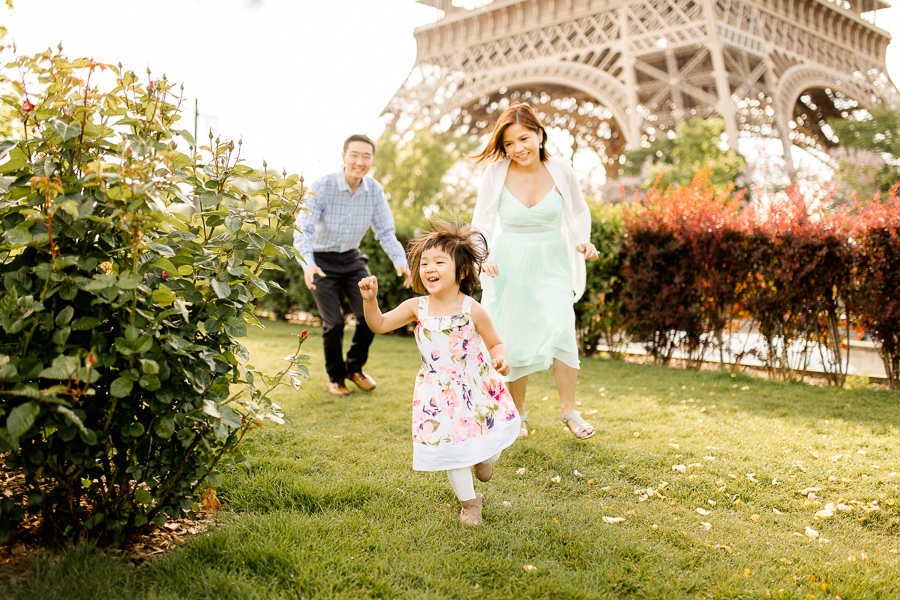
<point>677,160</point>
<point>415,170</point>
<point>867,158</point>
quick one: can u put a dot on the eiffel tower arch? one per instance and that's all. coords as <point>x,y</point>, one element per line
<point>619,75</point>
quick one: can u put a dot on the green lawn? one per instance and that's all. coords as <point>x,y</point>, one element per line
<point>332,509</point>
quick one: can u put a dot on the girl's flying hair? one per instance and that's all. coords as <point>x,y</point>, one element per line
<point>467,247</point>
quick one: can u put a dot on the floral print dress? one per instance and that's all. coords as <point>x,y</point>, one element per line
<point>462,414</point>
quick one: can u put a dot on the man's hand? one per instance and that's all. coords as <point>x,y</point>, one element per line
<point>308,275</point>
<point>404,271</point>
<point>368,287</point>
<point>590,253</point>
<point>501,365</point>
<point>490,268</point>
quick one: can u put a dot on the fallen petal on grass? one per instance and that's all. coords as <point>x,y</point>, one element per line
<point>612,520</point>
<point>679,468</point>
<point>811,533</point>
<point>702,511</point>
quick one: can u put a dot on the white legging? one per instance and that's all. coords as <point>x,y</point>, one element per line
<point>461,480</point>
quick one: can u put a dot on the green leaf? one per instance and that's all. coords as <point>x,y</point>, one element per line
<point>18,236</point>
<point>215,479</point>
<point>21,418</point>
<point>85,323</point>
<point>71,416</point>
<point>233,223</point>
<point>166,265</point>
<point>162,249</point>
<point>17,160</point>
<point>150,367</point>
<point>150,382</point>
<point>121,387</point>
<point>210,408</point>
<point>64,316</point>
<point>142,496</point>
<point>163,295</point>
<point>230,417</point>
<point>164,427</point>
<point>66,131</point>
<point>129,280</point>
<point>222,289</point>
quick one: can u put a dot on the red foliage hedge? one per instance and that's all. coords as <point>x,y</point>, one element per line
<point>694,262</point>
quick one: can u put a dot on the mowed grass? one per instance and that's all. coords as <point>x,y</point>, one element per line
<point>330,507</point>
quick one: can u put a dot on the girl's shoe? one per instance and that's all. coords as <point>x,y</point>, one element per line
<point>582,425</point>
<point>471,511</point>
<point>523,426</point>
<point>484,471</point>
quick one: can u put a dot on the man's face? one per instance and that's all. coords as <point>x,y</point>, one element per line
<point>357,159</point>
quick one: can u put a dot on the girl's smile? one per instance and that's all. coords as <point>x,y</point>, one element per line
<point>438,271</point>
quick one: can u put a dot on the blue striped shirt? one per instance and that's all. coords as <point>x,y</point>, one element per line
<point>337,219</point>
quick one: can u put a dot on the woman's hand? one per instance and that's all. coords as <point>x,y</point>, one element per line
<point>490,268</point>
<point>590,253</point>
<point>368,288</point>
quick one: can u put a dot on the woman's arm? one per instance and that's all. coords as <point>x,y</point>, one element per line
<point>495,347</point>
<point>382,323</point>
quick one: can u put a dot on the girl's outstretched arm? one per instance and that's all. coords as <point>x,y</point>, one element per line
<point>382,323</point>
<point>492,340</point>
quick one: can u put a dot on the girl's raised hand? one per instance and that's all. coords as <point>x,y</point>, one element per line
<point>501,366</point>
<point>368,287</point>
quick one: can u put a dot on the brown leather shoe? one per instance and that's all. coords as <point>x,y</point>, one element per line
<point>484,471</point>
<point>338,389</point>
<point>362,381</point>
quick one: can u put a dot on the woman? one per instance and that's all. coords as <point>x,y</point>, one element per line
<point>538,226</point>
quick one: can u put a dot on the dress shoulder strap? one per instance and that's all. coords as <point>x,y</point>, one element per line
<point>467,305</point>
<point>423,308</point>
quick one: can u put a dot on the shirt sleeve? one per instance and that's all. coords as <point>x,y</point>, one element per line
<point>306,223</point>
<point>385,232</point>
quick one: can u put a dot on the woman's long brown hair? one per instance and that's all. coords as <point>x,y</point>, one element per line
<point>519,113</point>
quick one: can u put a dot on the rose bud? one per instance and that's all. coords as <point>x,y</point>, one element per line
<point>165,275</point>
<point>91,359</point>
<point>27,106</point>
<point>303,335</point>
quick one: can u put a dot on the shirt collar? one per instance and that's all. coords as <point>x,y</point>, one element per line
<point>344,186</point>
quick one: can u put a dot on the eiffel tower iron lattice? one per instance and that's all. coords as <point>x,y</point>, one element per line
<point>618,75</point>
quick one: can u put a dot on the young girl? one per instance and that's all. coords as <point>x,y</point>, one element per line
<point>463,417</point>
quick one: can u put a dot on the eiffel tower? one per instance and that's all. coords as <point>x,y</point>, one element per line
<point>620,75</point>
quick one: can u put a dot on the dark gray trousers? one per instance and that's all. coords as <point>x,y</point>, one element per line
<point>343,270</point>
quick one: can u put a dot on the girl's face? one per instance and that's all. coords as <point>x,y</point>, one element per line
<point>438,271</point>
<point>522,144</point>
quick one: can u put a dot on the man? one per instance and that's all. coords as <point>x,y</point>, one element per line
<point>342,206</point>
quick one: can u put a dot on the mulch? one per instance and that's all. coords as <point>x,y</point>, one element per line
<point>29,542</point>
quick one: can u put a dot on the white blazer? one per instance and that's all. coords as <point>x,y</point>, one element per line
<point>576,223</point>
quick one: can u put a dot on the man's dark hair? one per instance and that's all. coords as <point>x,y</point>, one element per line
<point>359,138</point>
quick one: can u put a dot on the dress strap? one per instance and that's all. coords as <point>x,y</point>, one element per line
<point>467,305</point>
<point>423,308</point>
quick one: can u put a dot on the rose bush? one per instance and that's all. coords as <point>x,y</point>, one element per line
<point>129,272</point>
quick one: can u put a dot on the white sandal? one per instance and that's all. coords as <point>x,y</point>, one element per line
<point>523,426</point>
<point>581,423</point>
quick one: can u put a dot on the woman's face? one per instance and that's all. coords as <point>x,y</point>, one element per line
<point>522,144</point>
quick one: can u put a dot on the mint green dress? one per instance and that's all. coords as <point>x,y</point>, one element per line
<point>533,308</point>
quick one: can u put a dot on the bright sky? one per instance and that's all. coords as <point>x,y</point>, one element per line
<point>293,78</point>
